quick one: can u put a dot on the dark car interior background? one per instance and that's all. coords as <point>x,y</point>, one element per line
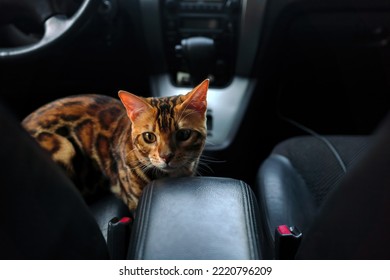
<point>278,69</point>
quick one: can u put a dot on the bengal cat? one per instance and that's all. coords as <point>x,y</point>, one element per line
<point>124,145</point>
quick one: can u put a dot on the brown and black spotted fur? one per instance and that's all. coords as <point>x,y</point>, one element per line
<point>129,143</point>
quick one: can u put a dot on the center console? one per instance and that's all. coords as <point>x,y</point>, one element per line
<point>191,40</point>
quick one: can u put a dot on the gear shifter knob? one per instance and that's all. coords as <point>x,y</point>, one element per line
<point>199,54</point>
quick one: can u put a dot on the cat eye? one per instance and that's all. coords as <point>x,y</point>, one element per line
<point>183,134</point>
<point>149,137</point>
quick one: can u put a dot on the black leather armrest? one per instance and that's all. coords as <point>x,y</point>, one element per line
<point>196,218</point>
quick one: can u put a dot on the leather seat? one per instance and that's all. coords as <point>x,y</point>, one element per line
<point>38,200</point>
<point>43,215</point>
<point>330,188</point>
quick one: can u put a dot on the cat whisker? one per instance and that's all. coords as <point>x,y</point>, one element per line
<point>203,167</point>
<point>148,167</point>
<point>206,158</point>
<point>138,165</point>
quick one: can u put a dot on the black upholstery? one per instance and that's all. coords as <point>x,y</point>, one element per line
<point>353,220</point>
<point>42,214</point>
<point>298,175</point>
<point>196,218</point>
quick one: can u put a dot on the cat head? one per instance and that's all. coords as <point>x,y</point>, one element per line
<point>168,133</point>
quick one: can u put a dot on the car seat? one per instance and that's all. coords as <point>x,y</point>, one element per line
<point>333,191</point>
<point>42,214</point>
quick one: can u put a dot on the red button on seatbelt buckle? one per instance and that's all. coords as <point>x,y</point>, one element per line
<point>287,240</point>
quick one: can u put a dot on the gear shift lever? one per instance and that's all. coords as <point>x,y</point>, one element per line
<point>199,53</point>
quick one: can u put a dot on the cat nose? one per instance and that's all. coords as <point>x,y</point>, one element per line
<point>167,157</point>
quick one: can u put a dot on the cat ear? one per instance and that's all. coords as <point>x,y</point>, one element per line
<point>196,99</point>
<point>134,105</point>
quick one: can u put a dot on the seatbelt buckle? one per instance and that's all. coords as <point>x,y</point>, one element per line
<point>118,236</point>
<point>287,241</point>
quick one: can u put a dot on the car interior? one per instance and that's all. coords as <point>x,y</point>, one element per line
<point>296,164</point>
